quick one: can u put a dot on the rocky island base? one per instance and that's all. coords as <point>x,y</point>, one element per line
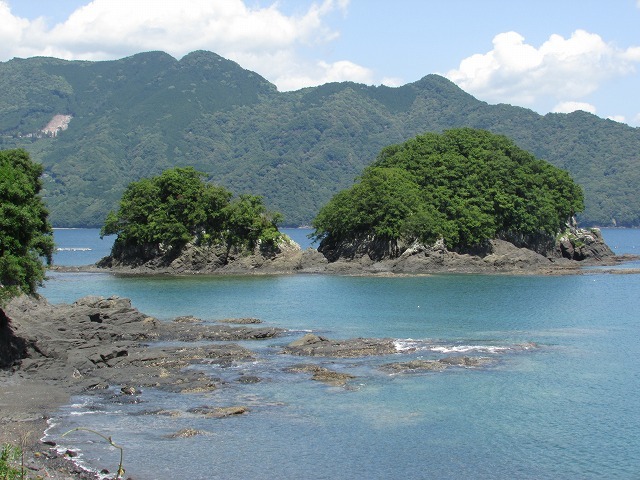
<point>567,254</point>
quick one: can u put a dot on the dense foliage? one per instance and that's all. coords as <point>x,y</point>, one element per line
<point>133,117</point>
<point>177,207</point>
<point>25,234</point>
<point>464,186</point>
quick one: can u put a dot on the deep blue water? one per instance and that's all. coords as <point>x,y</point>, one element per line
<point>567,408</point>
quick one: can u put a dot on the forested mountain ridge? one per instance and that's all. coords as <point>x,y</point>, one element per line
<point>135,117</point>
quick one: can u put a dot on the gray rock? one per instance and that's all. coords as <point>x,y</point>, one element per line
<point>316,346</point>
<point>284,257</point>
<point>219,412</point>
<point>99,341</point>
<point>248,379</point>
<point>186,433</point>
<point>583,245</point>
<point>187,319</point>
<point>241,321</point>
<point>464,361</point>
<point>129,390</point>
<point>438,365</point>
<point>414,366</point>
<point>322,374</point>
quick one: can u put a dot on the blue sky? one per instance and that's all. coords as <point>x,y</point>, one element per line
<point>558,55</point>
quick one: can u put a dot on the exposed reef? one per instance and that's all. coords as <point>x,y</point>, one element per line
<point>105,347</point>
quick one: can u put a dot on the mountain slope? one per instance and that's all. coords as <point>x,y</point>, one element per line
<point>137,116</point>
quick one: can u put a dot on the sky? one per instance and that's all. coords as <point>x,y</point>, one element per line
<point>546,55</point>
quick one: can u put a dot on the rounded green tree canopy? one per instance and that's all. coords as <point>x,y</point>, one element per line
<point>178,206</point>
<point>464,186</point>
<point>26,237</point>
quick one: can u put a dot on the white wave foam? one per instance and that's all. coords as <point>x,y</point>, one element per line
<point>468,348</point>
<point>406,345</point>
<point>87,412</point>
<point>411,345</point>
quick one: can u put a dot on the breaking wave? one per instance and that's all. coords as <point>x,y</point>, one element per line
<point>409,344</point>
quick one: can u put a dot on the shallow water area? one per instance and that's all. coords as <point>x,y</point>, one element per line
<point>556,400</point>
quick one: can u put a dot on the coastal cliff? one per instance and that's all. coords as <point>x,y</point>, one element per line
<point>370,256</point>
<point>572,250</point>
<point>285,256</point>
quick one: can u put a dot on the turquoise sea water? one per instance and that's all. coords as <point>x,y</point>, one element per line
<point>566,407</point>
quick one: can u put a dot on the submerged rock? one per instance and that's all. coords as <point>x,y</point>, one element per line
<point>435,365</point>
<point>414,365</point>
<point>186,433</point>
<point>464,361</point>
<point>247,379</point>
<point>241,321</point>
<point>322,374</point>
<point>219,412</point>
<point>187,319</point>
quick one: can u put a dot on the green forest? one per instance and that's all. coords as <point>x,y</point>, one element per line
<point>136,117</point>
<point>178,206</point>
<point>464,186</point>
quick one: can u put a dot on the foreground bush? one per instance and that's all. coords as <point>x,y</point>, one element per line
<point>26,237</point>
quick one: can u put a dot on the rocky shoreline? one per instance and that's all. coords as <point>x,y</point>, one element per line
<point>104,346</point>
<point>50,352</point>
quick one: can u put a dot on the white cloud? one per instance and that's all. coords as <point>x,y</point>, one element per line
<point>617,118</point>
<point>516,72</point>
<point>568,107</point>
<point>324,72</point>
<point>259,38</point>
<point>392,81</point>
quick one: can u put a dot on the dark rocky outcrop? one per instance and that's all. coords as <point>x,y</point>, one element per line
<point>96,342</point>
<point>284,257</point>
<point>574,243</point>
<point>361,246</point>
<point>583,244</point>
<point>507,254</point>
<point>315,346</point>
<point>12,348</point>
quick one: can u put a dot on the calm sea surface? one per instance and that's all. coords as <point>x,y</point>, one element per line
<point>567,407</point>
